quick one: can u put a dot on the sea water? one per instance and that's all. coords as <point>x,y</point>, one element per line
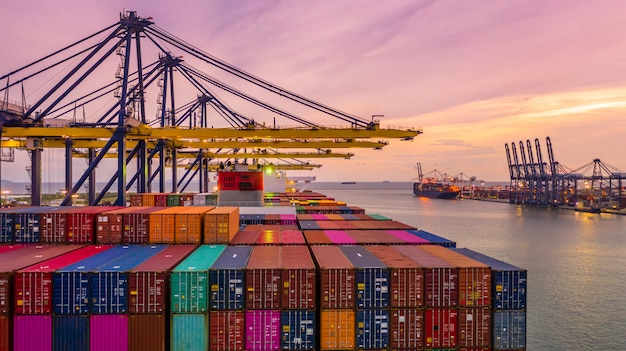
<point>576,261</point>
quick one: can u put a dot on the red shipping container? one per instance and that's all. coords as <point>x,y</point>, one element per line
<point>406,329</point>
<point>137,225</point>
<point>385,238</point>
<point>160,199</point>
<point>32,289</point>
<point>440,277</point>
<point>337,277</point>
<point>53,227</point>
<point>292,237</point>
<point>406,277</point>
<point>226,330</point>
<point>474,327</point>
<point>263,278</point>
<point>268,237</point>
<point>245,237</point>
<point>440,327</point>
<point>5,333</point>
<point>146,332</point>
<point>474,277</point>
<point>298,279</point>
<point>362,237</point>
<point>316,237</point>
<point>81,223</point>
<point>148,282</point>
<point>17,259</point>
<point>110,226</point>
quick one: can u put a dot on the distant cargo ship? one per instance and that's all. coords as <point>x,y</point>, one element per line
<point>348,182</point>
<point>436,190</point>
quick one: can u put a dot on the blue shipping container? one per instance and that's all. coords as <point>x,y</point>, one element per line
<point>298,330</point>
<point>508,282</point>
<point>509,330</point>
<point>372,277</point>
<point>227,278</point>
<point>6,225</point>
<point>190,332</point>
<point>434,239</point>
<point>372,329</point>
<point>70,333</point>
<point>109,282</point>
<point>26,223</point>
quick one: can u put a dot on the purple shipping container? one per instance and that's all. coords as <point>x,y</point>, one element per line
<point>32,332</point>
<point>108,332</point>
<point>263,330</point>
<point>339,237</point>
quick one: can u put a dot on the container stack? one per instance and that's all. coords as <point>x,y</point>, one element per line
<point>227,281</point>
<point>298,299</point>
<point>372,298</point>
<point>508,291</point>
<point>148,299</point>
<point>189,298</point>
<point>336,304</point>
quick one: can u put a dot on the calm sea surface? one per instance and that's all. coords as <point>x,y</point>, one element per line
<point>576,261</point>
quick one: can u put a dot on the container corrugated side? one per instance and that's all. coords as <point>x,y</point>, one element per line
<point>5,333</point>
<point>372,329</point>
<point>337,329</point>
<point>32,332</point>
<point>32,288</point>
<point>474,325</point>
<point>440,326</point>
<point>109,282</point>
<point>189,332</point>
<point>509,330</point>
<point>337,277</point>
<point>372,277</point>
<point>147,332</point>
<point>474,276</point>
<point>137,224</point>
<point>27,224</point>
<point>71,284</point>
<point>189,224</point>
<point>110,226</point>
<point>298,278</point>
<point>508,281</point>
<point>81,223</point>
<point>440,277</point>
<point>221,224</point>
<point>263,278</point>
<point>298,329</point>
<point>6,225</point>
<point>406,328</point>
<point>262,330</point>
<point>148,282</point>
<point>162,224</point>
<point>226,330</point>
<point>189,280</point>
<point>227,278</point>
<point>108,332</point>
<point>70,332</point>
<point>53,225</point>
<point>15,260</point>
<point>406,277</point>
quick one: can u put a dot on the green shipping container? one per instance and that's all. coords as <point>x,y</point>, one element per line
<point>190,332</point>
<point>189,280</point>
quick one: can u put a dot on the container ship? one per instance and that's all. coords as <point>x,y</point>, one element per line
<point>299,271</point>
<point>436,190</point>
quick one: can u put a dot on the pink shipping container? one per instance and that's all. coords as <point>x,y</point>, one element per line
<point>17,259</point>
<point>406,329</point>
<point>137,225</point>
<point>337,277</point>
<point>440,277</point>
<point>292,237</point>
<point>406,277</point>
<point>298,279</point>
<point>408,237</point>
<point>340,237</point>
<point>474,325</point>
<point>10,248</point>
<point>32,289</point>
<point>108,332</point>
<point>148,282</point>
<point>226,330</point>
<point>362,237</point>
<point>263,278</point>
<point>263,330</point>
<point>440,327</point>
<point>32,333</point>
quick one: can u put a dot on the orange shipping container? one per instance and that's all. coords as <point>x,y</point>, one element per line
<point>337,329</point>
<point>188,224</point>
<point>162,226</point>
<point>474,277</point>
<point>221,224</point>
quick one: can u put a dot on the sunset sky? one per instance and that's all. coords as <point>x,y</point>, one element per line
<point>474,75</point>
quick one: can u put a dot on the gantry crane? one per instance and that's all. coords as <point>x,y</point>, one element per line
<point>122,128</point>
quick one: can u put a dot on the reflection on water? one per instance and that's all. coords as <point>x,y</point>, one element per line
<point>576,261</point>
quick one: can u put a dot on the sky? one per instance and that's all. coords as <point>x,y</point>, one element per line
<point>474,75</point>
